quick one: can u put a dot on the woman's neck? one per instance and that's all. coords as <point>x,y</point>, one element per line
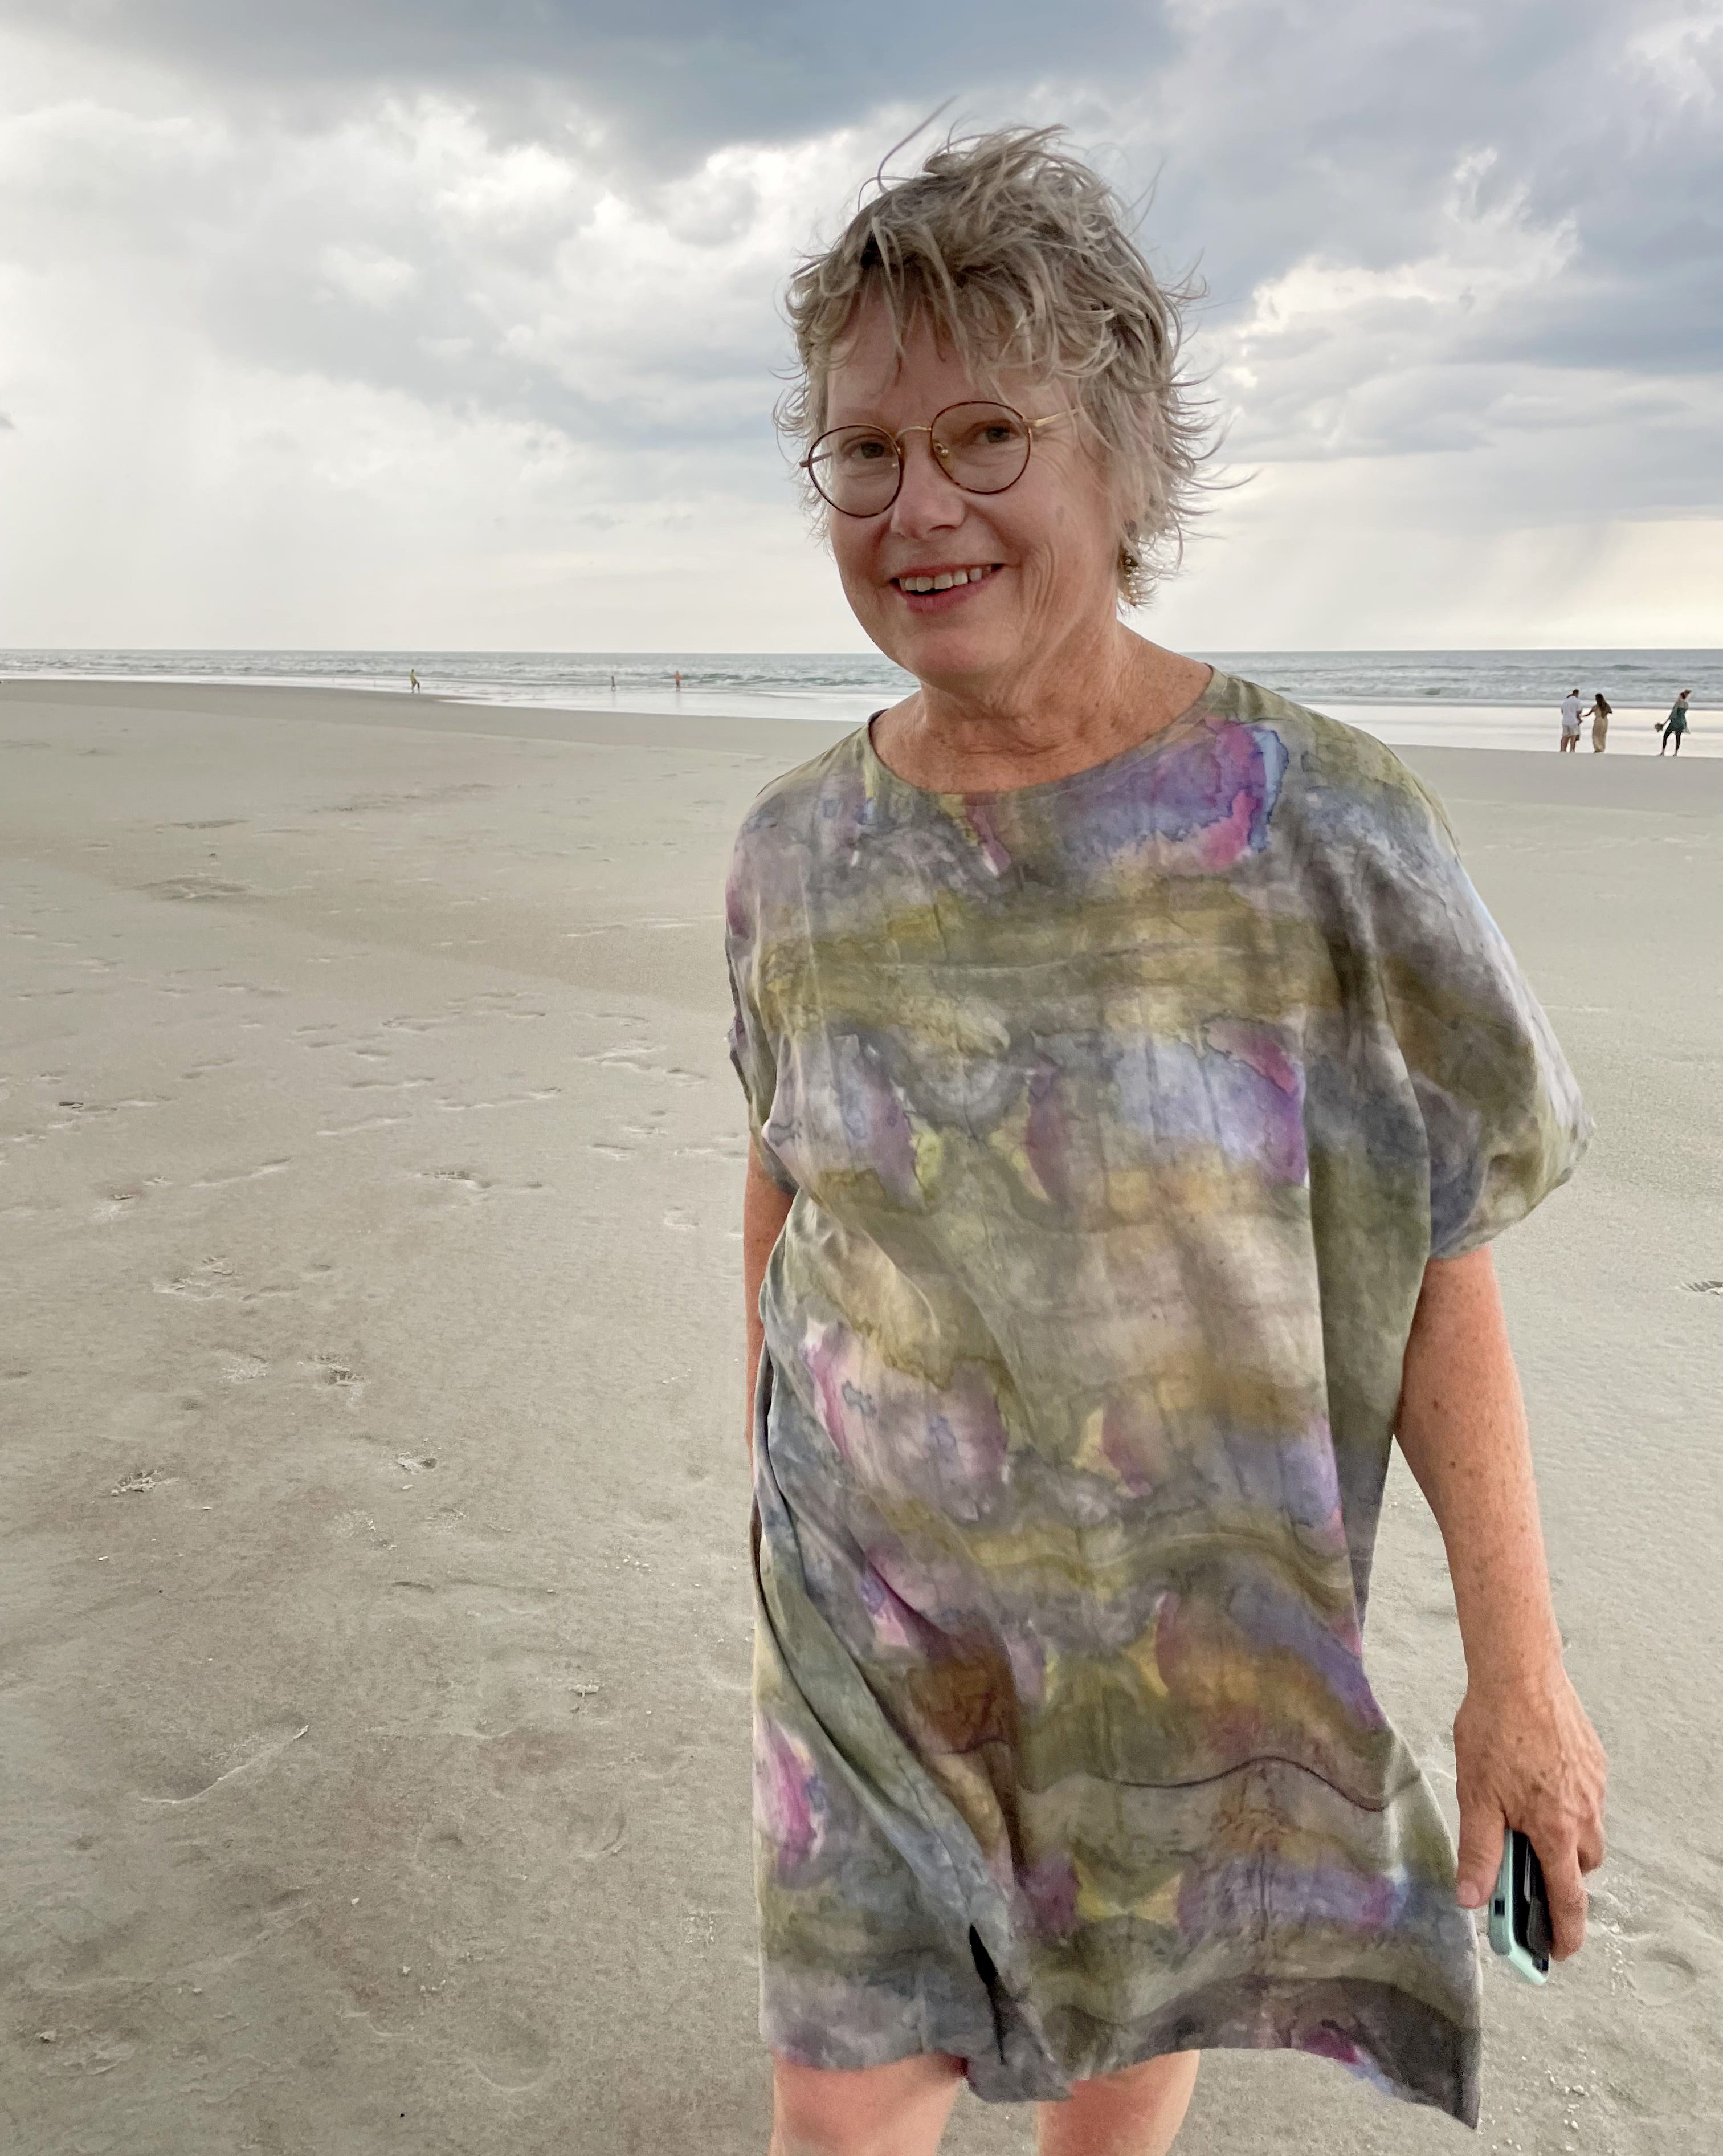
<point>1043,724</point>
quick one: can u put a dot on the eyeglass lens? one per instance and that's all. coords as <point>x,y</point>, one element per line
<point>982,448</point>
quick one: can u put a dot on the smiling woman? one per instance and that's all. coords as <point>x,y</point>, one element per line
<point>1017,276</point>
<point>1135,1079</point>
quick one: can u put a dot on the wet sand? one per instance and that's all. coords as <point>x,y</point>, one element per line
<point>374,1617</point>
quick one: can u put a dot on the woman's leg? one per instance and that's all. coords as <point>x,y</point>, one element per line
<point>1134,2113</point>
<point>899,2110</point>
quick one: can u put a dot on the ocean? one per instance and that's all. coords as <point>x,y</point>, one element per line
<point>1463,699</point>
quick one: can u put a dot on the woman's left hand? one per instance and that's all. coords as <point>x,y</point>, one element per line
<point>1526,1756</point>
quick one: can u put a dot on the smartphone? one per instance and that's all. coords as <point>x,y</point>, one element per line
<point>1520,1910</point>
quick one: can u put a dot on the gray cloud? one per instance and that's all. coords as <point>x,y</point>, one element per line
<point>678,78</point>
<point>1481,241</point>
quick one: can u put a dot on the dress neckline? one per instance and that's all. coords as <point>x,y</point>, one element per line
<point>883,777</point>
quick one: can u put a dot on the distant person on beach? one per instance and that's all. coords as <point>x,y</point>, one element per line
<point>678,682</point>
<point>1135,1081</point>
<point>1675,726</point>
<point>1569,721</point>
<point>1599,716</point>
<point>412,678</point>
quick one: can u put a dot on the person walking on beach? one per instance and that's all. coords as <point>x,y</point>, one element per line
<point>1675,726</point>
<point>1599,716</point>
<point>679,681</point>
<point>412,678</point>
<point>1135,1081</point>
<point>1570,721</point>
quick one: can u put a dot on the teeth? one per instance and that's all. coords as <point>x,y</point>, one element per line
<point>943,582</point>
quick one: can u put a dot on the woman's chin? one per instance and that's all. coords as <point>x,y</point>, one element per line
<point>948,653</point>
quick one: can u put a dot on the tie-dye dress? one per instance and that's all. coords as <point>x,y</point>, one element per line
<point>1121,1115</point>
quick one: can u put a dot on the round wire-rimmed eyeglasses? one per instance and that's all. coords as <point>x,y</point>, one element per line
<point>980,446</point>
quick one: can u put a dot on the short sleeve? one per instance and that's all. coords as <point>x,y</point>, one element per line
<point>751,1050</point>
<point>1501,1110</point>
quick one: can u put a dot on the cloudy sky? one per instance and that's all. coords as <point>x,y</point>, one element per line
<point>429,324</point>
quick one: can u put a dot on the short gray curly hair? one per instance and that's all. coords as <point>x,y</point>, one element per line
<point>1018,254</point>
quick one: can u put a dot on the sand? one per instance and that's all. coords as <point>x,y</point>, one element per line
<point>374,1616</point>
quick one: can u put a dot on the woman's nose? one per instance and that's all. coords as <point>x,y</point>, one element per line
<point>928,500</point>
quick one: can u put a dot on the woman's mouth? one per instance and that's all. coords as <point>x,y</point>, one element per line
<point>937,591</point>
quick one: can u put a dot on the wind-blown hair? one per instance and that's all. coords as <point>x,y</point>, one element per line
<point>1017,254</point>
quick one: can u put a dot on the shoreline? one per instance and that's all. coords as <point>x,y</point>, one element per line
<point>1493,729</point>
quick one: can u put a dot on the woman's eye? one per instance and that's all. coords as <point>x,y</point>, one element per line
<point>867,449</point>
<point>986,435</point>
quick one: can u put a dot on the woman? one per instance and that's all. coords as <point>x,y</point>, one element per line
<point>1675,726</point>
<point>1601,709</point>
<point>1134,1080</point>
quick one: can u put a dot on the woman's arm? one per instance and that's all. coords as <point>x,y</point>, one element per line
<point>765,1207</point>
<point>1525,1753</point>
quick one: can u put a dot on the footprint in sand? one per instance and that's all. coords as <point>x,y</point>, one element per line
<point>329,1370</point>
<point>505,1101</point>
<point>471,1180</point>
<point>237,1367</point>
<point>210,1281</point>
<point>640,1061</point>
<point>595,1830</point>
<point>509,2054</point>
<point>197,888</point>
<point>116,1204</point>
<point>466,1179</point>
<point>1660,1975</point>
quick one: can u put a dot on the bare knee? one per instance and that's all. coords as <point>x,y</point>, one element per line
<point>898,2110</point>
<point>1137,2112</point>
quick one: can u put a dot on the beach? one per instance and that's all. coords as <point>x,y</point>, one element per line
<point>374,1594</point>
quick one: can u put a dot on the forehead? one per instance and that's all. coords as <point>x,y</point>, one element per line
<point>870,378</point>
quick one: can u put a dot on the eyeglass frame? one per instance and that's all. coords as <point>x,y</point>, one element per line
<point>898,439</point>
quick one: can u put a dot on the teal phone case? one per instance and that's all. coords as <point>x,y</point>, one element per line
<point>1501,1920</point>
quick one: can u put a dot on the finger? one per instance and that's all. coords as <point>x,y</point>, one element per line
<point>1481,1827</point>
<point>1592,1848</point>
<point>1568,1902</point>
